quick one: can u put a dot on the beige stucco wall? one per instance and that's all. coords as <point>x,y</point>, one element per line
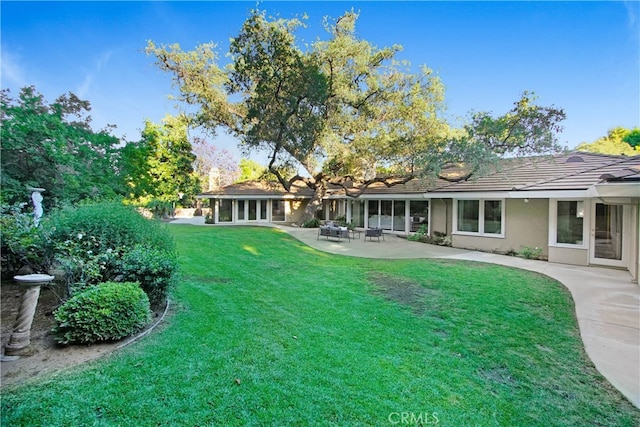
<point>526,224</point>
<point>441,215</point>
<point>569,255</point>
<point>294,210</point>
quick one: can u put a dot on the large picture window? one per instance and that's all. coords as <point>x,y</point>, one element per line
<point>570,225</point>
<point>483,217</point>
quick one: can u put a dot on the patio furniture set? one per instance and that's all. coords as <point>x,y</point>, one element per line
<point>333,230</point>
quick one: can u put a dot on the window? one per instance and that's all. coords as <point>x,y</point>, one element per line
<point>224,215</point>
<point>468,214</point>
<point>399,215</point>
<point>253,210</point>
<point>277,210</point>
<point>357,213</point>
<point>483,217</point>
<point>493,216</point>
<point>263,209</point>
<point>419,212</point>
<point>241,210</point>
<point>570,222</point>
<point>373,220</point>
<point>387,214</point>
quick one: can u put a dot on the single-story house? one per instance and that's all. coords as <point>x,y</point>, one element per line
<point>579,208</point>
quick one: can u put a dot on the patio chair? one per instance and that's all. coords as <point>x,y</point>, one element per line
<point>373,232</point>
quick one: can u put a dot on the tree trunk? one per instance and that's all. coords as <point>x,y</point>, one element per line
<point>315,204</point>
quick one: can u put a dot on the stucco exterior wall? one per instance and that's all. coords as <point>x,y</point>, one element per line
<point>526,224</point>
<point>441,215</point>
<point>294,210</point>
<point>569,256</point>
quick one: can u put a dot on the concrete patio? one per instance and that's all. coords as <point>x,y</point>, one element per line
<point>607,301</point>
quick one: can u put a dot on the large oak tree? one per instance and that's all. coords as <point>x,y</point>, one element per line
<point>340,111</point>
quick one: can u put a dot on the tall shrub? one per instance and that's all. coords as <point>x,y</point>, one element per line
<point>113,225</point>
<point>92,241</point>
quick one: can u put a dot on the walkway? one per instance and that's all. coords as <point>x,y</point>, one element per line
<point>607,302</point>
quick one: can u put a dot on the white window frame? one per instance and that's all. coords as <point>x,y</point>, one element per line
<point>553,224</point>
<point>408,212</point>
<point>481,218</point>
<point>270,206</point>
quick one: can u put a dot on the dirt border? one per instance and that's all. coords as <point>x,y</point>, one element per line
<point>44,355</point>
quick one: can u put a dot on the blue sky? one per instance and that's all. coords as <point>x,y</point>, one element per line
<point>579,56</point>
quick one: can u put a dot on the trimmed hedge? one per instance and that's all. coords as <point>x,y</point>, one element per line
<point>104,312</point>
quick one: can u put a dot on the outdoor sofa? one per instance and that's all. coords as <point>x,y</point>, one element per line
<point>334,230</point>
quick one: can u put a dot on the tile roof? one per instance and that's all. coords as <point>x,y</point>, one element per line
<point>260,188</point>
<point>415,186</point>
<point>573,171</point>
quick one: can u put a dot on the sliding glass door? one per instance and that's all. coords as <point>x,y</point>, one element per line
<point>252,210</point>
<point>607,234</point>
<point>387,214</point>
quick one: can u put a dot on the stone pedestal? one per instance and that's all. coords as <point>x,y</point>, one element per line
<point>21,335</point>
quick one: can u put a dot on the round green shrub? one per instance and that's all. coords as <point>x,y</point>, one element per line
<point>104,312</point>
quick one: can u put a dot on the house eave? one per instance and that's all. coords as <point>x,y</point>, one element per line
<point>253,196</point>
<point>559,194</point>
<point>609,190</point>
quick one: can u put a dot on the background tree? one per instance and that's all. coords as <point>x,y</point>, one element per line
<point>209,157</point>
<point>527,129</point>
<point>250,170</point>
<point>135,171</point>
<point>633,138</point>
<point>619,141</point>
<point>341,110</point>
<point>53,146</point>
<point>170,162</point>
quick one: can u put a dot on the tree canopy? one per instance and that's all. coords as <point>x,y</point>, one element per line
<point>209,160</point>
<point>53,146</point>
<point>169,161</point>
<point>340,111</point>
<point>250,170</point>
<point>618,141</point>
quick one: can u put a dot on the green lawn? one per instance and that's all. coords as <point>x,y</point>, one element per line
<point>271,332</point>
